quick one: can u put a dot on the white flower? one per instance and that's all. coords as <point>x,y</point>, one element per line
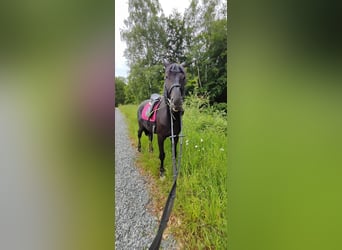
<point>221,149</point>
<point>201,140</point>
<point>196,146</point>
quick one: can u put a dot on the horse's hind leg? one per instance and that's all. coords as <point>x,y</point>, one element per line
<point>150,136</point>
<point>161,155</point>
<point>139,136</point>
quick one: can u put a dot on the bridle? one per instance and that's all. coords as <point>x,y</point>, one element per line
<point>167,93</point>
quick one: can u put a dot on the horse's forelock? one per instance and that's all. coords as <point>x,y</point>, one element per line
<point>175,68</point>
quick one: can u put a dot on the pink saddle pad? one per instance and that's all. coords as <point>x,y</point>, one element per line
<point>145,114</point>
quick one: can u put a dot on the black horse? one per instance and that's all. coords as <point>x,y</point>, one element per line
<point>171,105</point>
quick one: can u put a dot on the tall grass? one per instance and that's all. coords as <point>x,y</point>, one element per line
<point>200,209</point>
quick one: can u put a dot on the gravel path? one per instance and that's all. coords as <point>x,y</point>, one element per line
<point>135,227</point>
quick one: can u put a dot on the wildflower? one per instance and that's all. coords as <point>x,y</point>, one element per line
<point>187,142</point>
<point>196,146</point>
<point>201,140</point>
<point>221,149</point>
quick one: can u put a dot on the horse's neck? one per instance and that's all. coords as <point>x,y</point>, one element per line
<point>165,95</point>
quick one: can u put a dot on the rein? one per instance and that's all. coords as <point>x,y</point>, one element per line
<point>172,195</point>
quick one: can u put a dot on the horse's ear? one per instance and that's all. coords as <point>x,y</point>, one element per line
<point>166,62</point>
<point>183,64</point>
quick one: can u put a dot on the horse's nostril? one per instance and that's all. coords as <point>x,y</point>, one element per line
<point>178,102</point>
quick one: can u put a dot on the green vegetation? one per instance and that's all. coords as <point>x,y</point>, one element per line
<point>120,95</point>
<point>199,217</point>
<point>198,37</point>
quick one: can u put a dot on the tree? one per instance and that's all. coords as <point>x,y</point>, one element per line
<point>216,79</point>
<point>175,41</point>
<point>146,46</point>
<point>119,91</point>
<point>194,42</point>
<point>144,33</point>
<point>206,47</point>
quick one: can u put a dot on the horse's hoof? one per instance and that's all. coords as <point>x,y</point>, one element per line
<point>162,175</point>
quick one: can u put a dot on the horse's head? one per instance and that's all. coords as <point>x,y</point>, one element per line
<point>174,85</point>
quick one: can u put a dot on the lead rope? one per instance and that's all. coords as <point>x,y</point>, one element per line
<point>172,195</point>
<point>174,166</point>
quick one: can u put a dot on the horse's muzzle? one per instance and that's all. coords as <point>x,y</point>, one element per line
<point>177,105</point>
<point>176,108</point>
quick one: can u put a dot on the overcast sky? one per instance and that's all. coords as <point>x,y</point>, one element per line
<point>121,13</point>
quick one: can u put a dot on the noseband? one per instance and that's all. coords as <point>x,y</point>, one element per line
<point>167,92</point>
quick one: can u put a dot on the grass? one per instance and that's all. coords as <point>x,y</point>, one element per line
<point>199,216</point>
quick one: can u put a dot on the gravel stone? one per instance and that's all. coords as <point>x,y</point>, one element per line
<point>135,226</point>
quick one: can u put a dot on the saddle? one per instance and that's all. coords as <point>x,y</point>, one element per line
<point>154,99</point>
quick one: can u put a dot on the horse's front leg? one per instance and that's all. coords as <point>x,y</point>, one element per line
<point>161,155</point>
<point>150,136</point>
<point>139,136</point>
